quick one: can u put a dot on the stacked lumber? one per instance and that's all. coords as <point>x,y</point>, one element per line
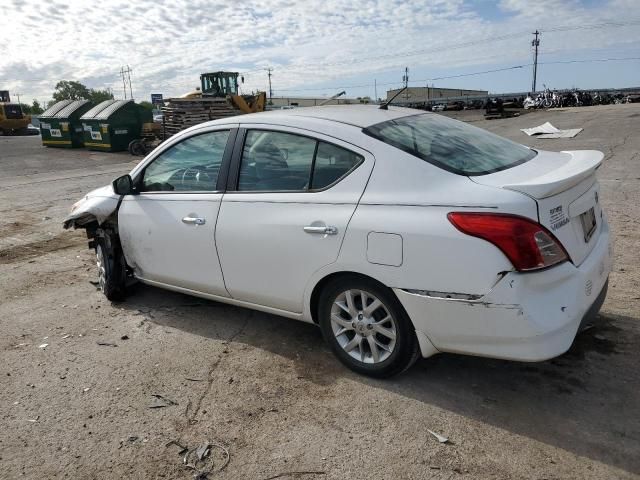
<point>181,113</point>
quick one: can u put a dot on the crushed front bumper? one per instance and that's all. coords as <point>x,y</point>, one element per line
<point>526,316</point>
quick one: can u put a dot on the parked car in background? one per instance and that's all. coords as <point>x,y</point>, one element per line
<point>438,107</point>
<point>400,233</point>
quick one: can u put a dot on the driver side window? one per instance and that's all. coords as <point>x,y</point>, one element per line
<point>189,166</point>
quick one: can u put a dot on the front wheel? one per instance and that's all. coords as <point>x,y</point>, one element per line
<point>111,266</point>
<point>367,328</point>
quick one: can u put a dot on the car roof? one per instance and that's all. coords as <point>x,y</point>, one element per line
<point>357,115</point>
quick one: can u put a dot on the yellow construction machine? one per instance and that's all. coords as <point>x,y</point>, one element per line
<point>12,120</point>
<point>225,85</point>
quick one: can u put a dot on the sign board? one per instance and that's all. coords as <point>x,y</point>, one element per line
<point>4,96</point>
<point>156,98</point>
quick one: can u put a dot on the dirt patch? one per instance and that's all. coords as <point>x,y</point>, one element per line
<point>35,249</point>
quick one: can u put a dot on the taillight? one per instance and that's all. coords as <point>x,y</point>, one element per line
<point>527,244</point>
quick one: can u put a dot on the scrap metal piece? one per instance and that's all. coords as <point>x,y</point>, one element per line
<point>160,402</point>
<point>439,437</point>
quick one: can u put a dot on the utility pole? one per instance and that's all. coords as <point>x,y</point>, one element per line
<point>269,70</point>
<point>375,89</point>
<point>535,43</point>
<point>126,78</point>
<point>405,79</point>
<point>18,95</point>
<point>129,78</point>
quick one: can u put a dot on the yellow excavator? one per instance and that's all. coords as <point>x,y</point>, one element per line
<point>12,120</point>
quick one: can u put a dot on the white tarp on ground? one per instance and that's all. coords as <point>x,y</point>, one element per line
<point>546,130</point>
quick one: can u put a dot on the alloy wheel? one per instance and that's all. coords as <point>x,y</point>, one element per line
<point>102,271</point>
<point>363,326</point>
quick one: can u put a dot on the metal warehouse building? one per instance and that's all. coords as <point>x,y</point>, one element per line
<point>432,94</point>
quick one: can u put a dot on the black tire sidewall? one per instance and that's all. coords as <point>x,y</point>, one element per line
<point>406,348</point>
<point>113,287</point>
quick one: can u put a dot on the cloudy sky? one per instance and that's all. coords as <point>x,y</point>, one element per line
<point>317,47</point>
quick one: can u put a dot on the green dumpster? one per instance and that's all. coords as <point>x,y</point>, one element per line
<point>112,124</point>
<point>60,124</point>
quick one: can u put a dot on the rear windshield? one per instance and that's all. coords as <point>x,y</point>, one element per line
<point>450,144</point>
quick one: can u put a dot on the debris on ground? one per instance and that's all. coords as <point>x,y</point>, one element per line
<point>160,402</point>
<point>183,449</point>
<point>194,379</point>
<point>124,337</point>
<point>202,454</point>
<point>296,474</point>
<point>439,437</point>
<point>106,344</point>
<point>44,345</point>
<point>546,130</point>
<point>33,420</point>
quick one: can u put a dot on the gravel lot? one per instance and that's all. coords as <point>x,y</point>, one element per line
<point>266,388</point>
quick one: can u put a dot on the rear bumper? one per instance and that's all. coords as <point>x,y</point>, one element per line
<point>526,316</point>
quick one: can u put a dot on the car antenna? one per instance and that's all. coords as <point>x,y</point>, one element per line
<point>385,105</point>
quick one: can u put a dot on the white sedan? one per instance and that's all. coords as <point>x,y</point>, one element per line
<point>400,233</point>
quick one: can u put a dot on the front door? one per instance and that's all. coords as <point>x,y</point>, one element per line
<point>167,230</point>
<point>293,200</point>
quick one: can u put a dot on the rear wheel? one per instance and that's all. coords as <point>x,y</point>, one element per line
<point>111,266</point>
<point>367,328</point>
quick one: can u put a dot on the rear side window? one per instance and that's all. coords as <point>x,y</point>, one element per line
<point>332,163</point>
<point>450,144</point>
<point>279,161</point>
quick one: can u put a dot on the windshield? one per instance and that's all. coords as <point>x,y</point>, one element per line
<point>12,110</point>
<point>450,144</point>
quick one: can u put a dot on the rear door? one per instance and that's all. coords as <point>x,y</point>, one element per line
<point>286,210</point>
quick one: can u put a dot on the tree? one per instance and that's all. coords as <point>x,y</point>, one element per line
<point>147,105</point>
<point>26,109</point>
<point>36,109</point>
<point>70,90</point>
<point>98,96</point>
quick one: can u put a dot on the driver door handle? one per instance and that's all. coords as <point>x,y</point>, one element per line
<point>194,220</point>
<point>323,230</point>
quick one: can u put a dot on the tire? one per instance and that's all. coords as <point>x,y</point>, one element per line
<point>111,266</point>
<point>353,337</point>
<point>137,148</point>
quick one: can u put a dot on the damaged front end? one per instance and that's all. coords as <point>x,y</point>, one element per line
<point>94,209</point>
<point>97,214</point>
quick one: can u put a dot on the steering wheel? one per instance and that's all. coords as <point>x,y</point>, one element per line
<point>199,176</point>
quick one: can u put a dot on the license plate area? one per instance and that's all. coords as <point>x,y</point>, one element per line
<point>588,221</point>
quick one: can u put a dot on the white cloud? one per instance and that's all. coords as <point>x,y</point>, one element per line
<point>167,44</point>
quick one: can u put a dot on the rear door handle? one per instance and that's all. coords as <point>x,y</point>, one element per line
<point>322,230</point>
<point>194,220</point>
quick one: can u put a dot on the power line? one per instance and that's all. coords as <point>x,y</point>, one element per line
<point>484,72</point>
<point>455,46</point>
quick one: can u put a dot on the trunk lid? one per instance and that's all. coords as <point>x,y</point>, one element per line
<point>564,186</point>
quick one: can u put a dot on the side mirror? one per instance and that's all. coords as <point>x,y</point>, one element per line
<point>123,185</point>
